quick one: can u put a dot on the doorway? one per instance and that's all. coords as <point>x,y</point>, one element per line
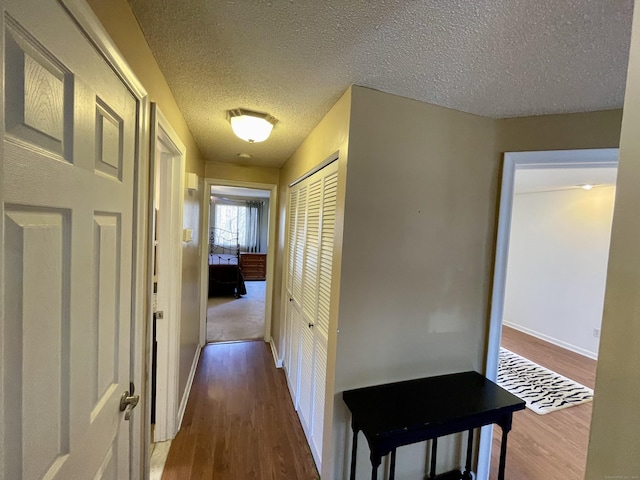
<point>238,251</point>
<point>167,161</point>
<point>538,189</point>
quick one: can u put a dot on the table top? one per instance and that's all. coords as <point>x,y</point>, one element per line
<point>429,407</point>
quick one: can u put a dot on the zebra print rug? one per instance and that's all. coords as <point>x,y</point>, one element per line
<point>544,391</point>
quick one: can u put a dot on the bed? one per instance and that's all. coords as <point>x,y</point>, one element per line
<point>225,274</point>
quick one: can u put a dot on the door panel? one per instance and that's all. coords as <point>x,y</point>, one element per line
<point>67,198</point>
<point>300,239</point>
<point>40,243</point>
<point>310,276</point>
<point>294,360</point>
<point>319,382</point>
<point>306,377</point>
<point>327,236</point>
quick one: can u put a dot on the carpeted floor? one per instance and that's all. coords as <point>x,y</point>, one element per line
<point>230,318</point>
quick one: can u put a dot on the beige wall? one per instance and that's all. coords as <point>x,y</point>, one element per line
<point>242,173</point>
<point>560,132</point>
<point>121,25</point>
<point>417,252</point>
<point>615,427</point>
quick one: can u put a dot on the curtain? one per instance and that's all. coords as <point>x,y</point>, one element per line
<point>254,226</point>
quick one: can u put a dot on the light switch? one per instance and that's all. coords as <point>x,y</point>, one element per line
<point>187,235</point>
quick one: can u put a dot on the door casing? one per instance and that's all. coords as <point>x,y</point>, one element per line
<point>167,164</point>
<point>513,161</point>
<point>271,251</point>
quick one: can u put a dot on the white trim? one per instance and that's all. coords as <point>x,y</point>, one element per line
<point>601,157</point>
<point>169,328</point>
<point>89,23</point>
<point>274,351</point>
<point>187,390</point>
<point>82,13</point>
<point>271,251</point>
<point>567,346</point>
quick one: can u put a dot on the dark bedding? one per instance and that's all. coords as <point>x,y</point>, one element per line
<point>226,280</point>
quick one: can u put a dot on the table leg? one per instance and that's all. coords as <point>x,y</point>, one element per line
<point>354,449</point>
<point>503,454</point>
<point>375,463</point>
<point>467,467</point>
<point>434,451</point>
<point>392,467</point>
<point>505,425</point>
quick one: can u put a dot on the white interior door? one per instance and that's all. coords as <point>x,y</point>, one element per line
<point>67,200</point>
<point>321,324</point>
<point>168,164</point>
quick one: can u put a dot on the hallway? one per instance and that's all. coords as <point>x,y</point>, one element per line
<point>239,422</point>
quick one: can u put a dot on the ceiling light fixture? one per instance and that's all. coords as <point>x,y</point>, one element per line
<point>586,186</point>
<point>252,127</point>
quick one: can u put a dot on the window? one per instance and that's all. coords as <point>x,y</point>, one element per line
<point>231,225</point>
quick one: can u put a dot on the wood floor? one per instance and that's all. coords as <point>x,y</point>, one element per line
<point>552,446</point>
<point>239,422</point>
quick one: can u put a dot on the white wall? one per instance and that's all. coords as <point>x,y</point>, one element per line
<point>557,266</point>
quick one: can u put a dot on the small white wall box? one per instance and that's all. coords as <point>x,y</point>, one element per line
<point>187,234</point>
<point>192,181</point>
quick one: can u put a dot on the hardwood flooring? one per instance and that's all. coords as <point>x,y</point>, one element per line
<point>552,446</point>
<point>239,423</point>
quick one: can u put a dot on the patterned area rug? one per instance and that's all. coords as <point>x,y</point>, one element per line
<point>543,390</point>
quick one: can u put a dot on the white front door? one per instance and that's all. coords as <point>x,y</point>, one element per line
<point>67,204</point>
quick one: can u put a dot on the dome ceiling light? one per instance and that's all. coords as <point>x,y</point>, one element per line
<point>250,126</point>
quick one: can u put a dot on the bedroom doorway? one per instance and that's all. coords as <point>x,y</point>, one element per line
<point>555,211</point>
<point>239,256</point>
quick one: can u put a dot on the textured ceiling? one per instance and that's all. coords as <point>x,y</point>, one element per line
<point>294,58</point>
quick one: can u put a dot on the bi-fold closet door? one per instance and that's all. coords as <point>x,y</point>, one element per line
<point>311,214</point>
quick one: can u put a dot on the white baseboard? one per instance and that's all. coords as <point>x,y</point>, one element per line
<point>274,351</point>
<point>554,341</point>
<point>187,390</point>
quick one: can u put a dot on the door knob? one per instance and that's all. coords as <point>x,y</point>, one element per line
<point>128,402</point>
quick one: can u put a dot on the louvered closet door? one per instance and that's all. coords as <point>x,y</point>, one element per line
<point>295,267</point>
<point>310,301</point>
<point>321,328</point>
<point>312,209</point>
<point>289,340</point>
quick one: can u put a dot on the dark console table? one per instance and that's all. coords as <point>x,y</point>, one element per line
<point>413,411</point>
